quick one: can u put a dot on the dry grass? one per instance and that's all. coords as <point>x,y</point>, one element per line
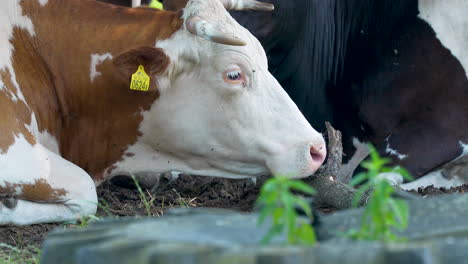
<point>14,255</point>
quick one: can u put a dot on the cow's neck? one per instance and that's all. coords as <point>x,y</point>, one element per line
<point>77,96</point>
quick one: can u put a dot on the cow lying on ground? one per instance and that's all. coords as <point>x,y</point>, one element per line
<point>69,119</point>
<point>392,72</point>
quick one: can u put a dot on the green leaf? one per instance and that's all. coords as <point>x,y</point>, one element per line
<point>277,202</point>
<point>270,185</point>
<point>367,165</point>
<point>306,234</point>
<point>290,218</point>
<point>274,231</point>
<point>304,206</point>
<point>358,179</point>
<point>277,214</point>
<point>264,213</point>
<point>403,172</point>
<point>267,198</point>
<point>400,209</point>
<point>360,193</point>
<point>301,186</point>
<point>373,152</point>
<point>290,214</point>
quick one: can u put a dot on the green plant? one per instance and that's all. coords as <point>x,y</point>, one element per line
<point>180,200</point>
<point>278,202</point>
<point>13,255</point>
<point>81,222</point>
<point>383,213</point>
<point>106,208</point>
<point>85,221</point>
<point>147,202</point>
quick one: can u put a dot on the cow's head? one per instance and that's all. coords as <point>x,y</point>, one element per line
<point>220,112</point>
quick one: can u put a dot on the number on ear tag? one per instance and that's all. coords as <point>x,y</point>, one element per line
<point>140,80</point>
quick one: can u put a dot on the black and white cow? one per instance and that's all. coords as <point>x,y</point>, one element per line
<point>392,72</point>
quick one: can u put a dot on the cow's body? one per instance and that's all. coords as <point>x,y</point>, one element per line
<point>68,112</point>
<point>390,72</point>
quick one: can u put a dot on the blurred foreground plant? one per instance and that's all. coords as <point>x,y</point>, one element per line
<point>383,213</point>
<point>278,203</point>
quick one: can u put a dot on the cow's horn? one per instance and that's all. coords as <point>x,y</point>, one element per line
<point>247,5</point>
<point>200,27</point>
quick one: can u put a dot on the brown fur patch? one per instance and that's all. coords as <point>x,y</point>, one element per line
<point>14,116</point>
<point>94,122</point>
<point>39,191</point>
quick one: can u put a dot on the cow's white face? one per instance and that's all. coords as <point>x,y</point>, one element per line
<point>221,113</point>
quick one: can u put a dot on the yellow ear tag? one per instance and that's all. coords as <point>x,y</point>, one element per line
<point>156,4</point>
<point>140,80</point>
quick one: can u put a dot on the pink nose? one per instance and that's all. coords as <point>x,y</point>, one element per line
<point>318,153</point>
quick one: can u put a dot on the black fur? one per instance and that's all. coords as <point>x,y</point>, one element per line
<point>311,42</point>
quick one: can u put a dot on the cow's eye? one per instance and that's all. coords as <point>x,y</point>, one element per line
<point>234,76</point>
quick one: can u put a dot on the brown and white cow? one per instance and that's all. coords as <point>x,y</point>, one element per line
<point>69,119</point>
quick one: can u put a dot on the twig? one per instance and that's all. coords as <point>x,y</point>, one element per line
<point>331,192</point>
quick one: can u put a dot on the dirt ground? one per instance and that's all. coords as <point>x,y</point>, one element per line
<point>116,200</point>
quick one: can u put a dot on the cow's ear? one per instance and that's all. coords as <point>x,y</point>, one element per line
<point>154,60</point>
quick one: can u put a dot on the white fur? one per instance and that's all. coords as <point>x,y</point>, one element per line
<point>449,20</point>
<point>136,3</point>
<point>392,178</point>
<point>394,152</point>
<point>434,178</point>
<point>24,163</point>
<point>49,141</point>
<point>43,137</point>
<point>80,200</point>
<point>12,163</point>
<point>220,130</point>
<point>27,213</point>
<point>43,2</point>
<point>97,59</point>
<point>2,85</point>
<point>464,147</point>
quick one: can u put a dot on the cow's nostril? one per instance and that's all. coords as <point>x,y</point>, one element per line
<point>318,153</point>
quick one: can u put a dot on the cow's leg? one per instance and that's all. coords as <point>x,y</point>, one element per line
<point>47,187</point>
<point>457,168</point>
<point>422,148</point>
<point>435,179</point>
<point>452,174</point>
